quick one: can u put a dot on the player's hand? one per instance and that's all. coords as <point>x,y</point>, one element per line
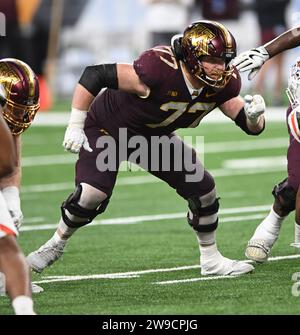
<point>17,217</point>
<point>12,199</point>
<point>254,107</point>
<point>74,139</point>
<point>251,60</point>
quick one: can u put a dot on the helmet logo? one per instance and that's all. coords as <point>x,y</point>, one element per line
<point>200,37</point>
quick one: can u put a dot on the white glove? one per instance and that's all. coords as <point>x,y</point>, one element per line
<point>75,137</point>
<point>12,198</point>
<point>252,60</point>
<point>254,107</point>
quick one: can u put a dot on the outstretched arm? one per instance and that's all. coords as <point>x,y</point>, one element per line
<point>247,113</point>
<point>92,81</point>
<point>252,60</point>
<point>288,40</point>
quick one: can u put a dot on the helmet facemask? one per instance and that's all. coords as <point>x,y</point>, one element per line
<point>20,94</point>
<point>212,39</point>
<point>293,89</point>
<point>223,76</point>
<point>19,117</point>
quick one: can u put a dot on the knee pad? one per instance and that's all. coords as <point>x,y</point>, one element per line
<point>285,196</point>
<point>83,215</point>
<point>203,213</point>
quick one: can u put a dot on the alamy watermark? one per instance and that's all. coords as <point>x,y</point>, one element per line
<point>296,285</point>
<point>2,24</point>
<point>155,154</point>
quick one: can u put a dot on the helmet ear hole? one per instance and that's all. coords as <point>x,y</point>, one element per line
<point>177,48</point>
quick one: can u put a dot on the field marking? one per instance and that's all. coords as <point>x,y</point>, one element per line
<point>149,179</point>
<point>136,274</point>
<point>209,148</point>
<point>167,216</point>
<point>254,162</point>
<point>246,145</point>
<point>61,118</point>
<point>179,281</point>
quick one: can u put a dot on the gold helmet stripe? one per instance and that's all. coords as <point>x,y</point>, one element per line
<point>30,75</point>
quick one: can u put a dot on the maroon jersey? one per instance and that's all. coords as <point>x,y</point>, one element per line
<point>293,158</point>
<point>169,105</point>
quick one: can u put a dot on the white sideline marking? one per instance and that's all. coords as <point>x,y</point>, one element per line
<point>167,216</point>
<point>136,274</point>
<point>271,259</point>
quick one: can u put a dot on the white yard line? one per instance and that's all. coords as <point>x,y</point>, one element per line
<point>189,280</point>
<point>256,162</point>
<point>209,148</point>
<point>135,274</point>
<point>57,118</point>
<point>149,179</point>
<point>167,216</point>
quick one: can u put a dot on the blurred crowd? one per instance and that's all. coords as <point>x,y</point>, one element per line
<point>57,38</point>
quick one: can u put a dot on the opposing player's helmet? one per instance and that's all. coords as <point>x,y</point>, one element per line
<point>293,89</point>
<point>206,38</point>
<point>293,93</point>
<point>20,92</point>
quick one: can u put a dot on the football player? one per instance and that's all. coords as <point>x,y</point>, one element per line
<point>287,192</point>
<point>166,88</point>
<point>20,99</point>
<point>252,60</point>
<point>12,261</point>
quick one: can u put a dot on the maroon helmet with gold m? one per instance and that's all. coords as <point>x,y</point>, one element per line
<point>20,92</point>
<point>206,38</point>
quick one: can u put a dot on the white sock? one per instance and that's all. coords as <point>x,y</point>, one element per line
<point>63,233</point>
<point>297,233</point>
<point>205,239</point>
<point>208,251</point>
<point>269,228</point>
<point>23,305</point>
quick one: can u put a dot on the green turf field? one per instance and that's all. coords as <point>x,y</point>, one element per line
<point>144,263</point>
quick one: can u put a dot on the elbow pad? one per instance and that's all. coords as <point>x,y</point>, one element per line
<point>241,121</point>
<point>96,77</point>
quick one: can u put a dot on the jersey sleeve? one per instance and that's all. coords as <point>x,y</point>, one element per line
<point>149,68</point>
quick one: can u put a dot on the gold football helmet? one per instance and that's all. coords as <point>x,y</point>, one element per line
<point>19,94</point>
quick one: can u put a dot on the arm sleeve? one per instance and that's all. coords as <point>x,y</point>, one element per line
<point>96,77</point>
<point>241,121</point>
